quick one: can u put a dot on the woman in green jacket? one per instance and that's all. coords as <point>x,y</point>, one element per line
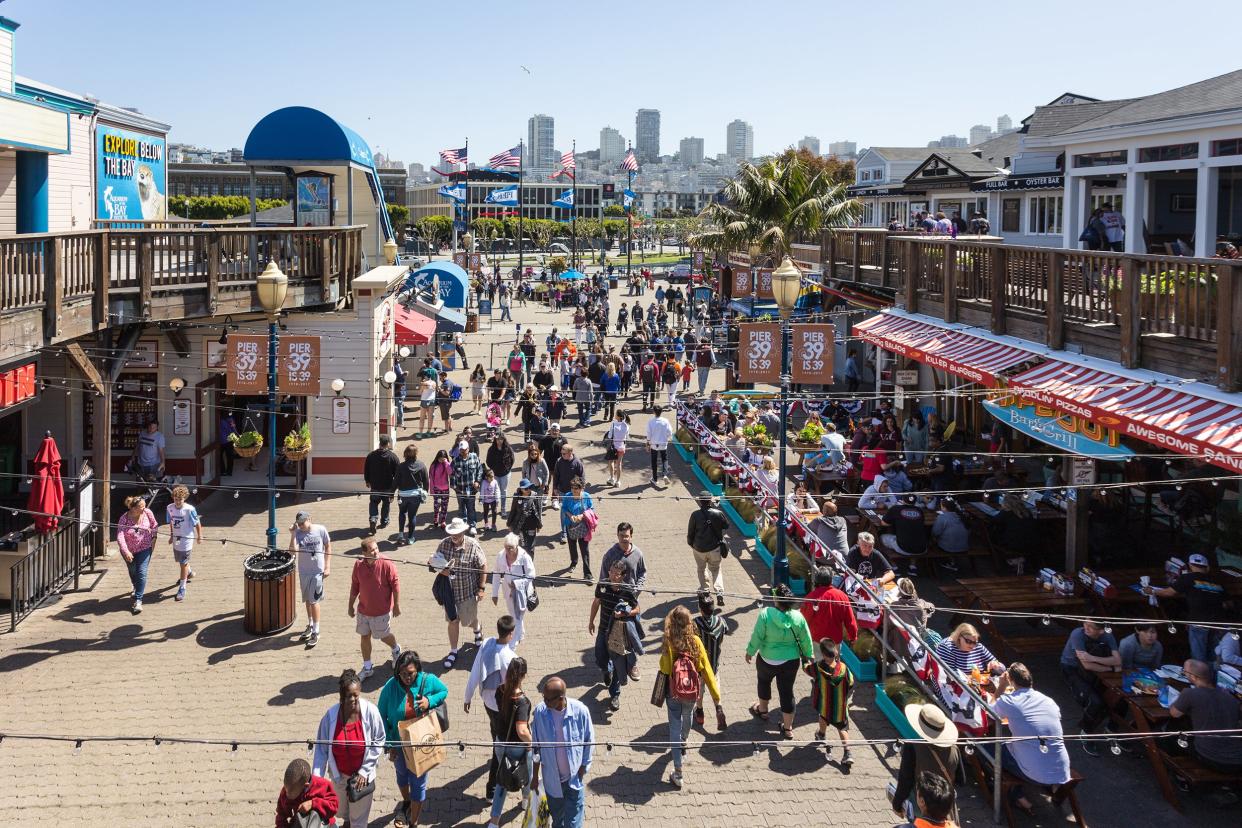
<point>781,639</point>
<point>409,694</point>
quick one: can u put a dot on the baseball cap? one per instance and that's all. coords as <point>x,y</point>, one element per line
<point>554,427</point>
<point>463,446</point>
<point>303,517</point>
<point>1198,560</point>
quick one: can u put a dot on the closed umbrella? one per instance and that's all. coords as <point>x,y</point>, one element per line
<point>47,494</point>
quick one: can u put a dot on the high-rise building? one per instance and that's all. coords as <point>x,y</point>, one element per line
<point>980,133</point>
<point>739,139</point>
<point>541,142</point>
<point>950,142</point>
<point>843,149</point>
<point>811,143</point>
<point>691,151</point>
<point>647,134</point>
<point>611,145</point>
<point>1004,124</point>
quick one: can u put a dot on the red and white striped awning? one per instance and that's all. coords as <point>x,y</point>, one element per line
<point>966,355</point>
<point>1158,411</point>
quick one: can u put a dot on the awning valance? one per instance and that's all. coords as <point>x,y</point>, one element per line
<point>413,328</point>
<point>972,357</point>
<point>1157,410</point>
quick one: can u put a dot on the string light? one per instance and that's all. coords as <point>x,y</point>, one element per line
<point>1115,747</point>
<point>1046,620</point>
<point>1182,741</point>
<point>1043,746</point>
<point>77,747</point>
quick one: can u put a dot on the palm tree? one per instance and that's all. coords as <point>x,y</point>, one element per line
<point>772,205</point>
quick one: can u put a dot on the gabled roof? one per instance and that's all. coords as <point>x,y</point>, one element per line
<point>1070,98</point>
<point>899,153</point>
<point>999,148</point>
<point>1057,118</point>
<point>965,163</point>
<point>1219,94</point>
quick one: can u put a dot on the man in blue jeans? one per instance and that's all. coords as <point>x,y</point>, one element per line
<point>563,733</point>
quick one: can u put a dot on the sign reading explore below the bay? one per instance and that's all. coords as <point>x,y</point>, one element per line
<point>132,178</point>
<point>1057,428</point>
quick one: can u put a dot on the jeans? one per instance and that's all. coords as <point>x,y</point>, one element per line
<point>398,405</point>
<point>498,796</point>
<point>703,380</point>
<point>616,668</point>
<point>610,405</point>
<point>1087,693</point>
<point>784,675</point>
<point>659,463</point>
<point>584,413</point>
<point>567,811</point>
<point>502,480</point>
<point>407,509</point>
<point>489,512</point>
<point>138,572</point>
<point>504,312</point>
<point>574,546</point>
<point>678,726</point>
<point>1202,643</point>
<point>649,395</point>
<point>466,508</point>
<point>379,505</point>
<point>226,458</point>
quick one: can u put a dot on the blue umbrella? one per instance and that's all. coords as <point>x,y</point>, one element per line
<point>572,274</point>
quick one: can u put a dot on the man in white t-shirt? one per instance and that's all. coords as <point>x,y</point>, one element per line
<point>1114,228</point>
<point>659,432</point>
<point>313,546</point>
<point>184,527</point>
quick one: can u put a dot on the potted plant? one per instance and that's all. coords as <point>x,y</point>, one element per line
<point>298,443</point>
<point>247,443</point>
<point>757,438</point>
<point>809,436</point>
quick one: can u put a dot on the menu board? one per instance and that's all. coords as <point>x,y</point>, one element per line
<point>133,404</point>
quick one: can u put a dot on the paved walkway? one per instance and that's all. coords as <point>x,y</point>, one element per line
<point>86,666</point>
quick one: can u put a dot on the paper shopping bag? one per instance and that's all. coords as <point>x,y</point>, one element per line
<point>424,743</point>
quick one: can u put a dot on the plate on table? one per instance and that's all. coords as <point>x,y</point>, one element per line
<point>1170,671</point>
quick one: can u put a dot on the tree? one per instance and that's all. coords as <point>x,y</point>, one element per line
<point>436,229</point>
<point>774,204</point>
<point>398,215</point>
<point>542,230</point>
<point>557,265</point>
<point>614,211</point>
<point>837,170</point>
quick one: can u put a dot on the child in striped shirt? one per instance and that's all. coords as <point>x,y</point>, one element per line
<point>832,684</point>
<point>711,629</point>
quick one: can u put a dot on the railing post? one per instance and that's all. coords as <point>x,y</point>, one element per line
<point>856,261</point>
<point>103,277</point>
<point>911,277</point>
<point>825,254</point>
<point>146,272</point>
<point>1128,314</point>
<point>326,275</point>
<point>1228,327</point>
<point>884,259</point>
<point>213,271</point>
<point>948,281</point>
<point>997,276</point>
<point>53,284</point>
<point>1055,300</point>
<point>832,254</point>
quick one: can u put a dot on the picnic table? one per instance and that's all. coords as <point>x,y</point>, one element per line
<point>874,520</point>
<point>1146,715</point>
<point>1019,593</point>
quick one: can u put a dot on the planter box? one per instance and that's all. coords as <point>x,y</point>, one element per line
<point>897,717</point>
<point>685,453</point>
<point>748,530</point>
<point>862,670</point>
<point>715,488</point>
<point>796,584</point>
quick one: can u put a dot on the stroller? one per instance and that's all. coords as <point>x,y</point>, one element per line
<point>494,415</point>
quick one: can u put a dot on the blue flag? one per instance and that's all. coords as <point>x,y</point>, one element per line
<point>565,200</point>
<point>503,195</point>
<point>627,199</point>
<point>457,192</point>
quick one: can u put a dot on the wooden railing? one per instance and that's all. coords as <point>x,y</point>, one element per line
<point>1131,295</point>
<point>48,270</point>
<point>53,560</point>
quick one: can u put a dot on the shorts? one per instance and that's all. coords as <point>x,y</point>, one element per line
<point>468,612</point>
<point>379,626</point>
<point>406,777</point>
<point>182,556</point>
<point>312,587</point>
<point>426,403</point>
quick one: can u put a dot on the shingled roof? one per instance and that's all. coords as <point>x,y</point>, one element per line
<point>1219,94</point>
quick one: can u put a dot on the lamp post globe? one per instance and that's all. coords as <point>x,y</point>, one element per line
<point>390,252</point>
<point>786,285</point>
<point>467,241</point>
<point>272,285</point>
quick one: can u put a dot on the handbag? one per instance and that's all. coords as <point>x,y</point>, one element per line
<point>440,710</point>
<point>610,446</point>
<point>660,691</point>
<point>532,597</point>
<point>355,793</point>
<point>579,530</point>
<point>512,773</point>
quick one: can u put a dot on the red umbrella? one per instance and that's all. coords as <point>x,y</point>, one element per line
<point>47,494</point>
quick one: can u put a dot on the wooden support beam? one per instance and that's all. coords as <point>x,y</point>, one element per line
<point>912,278</point>
<point>855,261</point>
<point>53,285</point>
<point>1128,313</point>
<point>83,363</point>
<point>1228,327</point>
<point>326,275</point>
<point>948,271</point>
<point>1054,334</point>
<point>997,277</point>
<point>103,278</point>
<point>146,274</point>
<point>213,272</point>
<point>884,260</point>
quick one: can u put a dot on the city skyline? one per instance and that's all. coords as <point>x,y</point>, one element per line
<point>783,100</point>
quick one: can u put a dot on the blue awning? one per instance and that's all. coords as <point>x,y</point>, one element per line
<point>450,320</point>
<point>454,282</point>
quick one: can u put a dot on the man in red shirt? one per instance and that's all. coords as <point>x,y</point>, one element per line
<point>828,612</point>
<point>374,584</point>
<point>303,793</point>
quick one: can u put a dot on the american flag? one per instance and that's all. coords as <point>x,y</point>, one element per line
<point>562,172</point>
<point>508,158</point>
<point>453,156</point>
<point>567,160</point>
<point>629,163</point>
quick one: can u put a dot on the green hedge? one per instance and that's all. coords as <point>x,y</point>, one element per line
<point>208,208</point>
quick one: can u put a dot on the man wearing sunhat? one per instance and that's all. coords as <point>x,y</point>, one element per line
<point>460,559</point>
<point>935,751</point>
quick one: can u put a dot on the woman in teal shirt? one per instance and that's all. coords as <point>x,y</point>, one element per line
<point>781,639</point>
<point>576,526</point>
<point>409,694</point>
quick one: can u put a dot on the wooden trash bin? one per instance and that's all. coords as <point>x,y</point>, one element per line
<point>271,598</point>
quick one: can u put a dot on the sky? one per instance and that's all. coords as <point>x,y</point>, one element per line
<point>415,77</point>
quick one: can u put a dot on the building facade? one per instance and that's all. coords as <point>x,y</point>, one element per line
<point>541,142</point>
<point>537,198</point>
<point>843,149</point>
<point>611,145</point>
<point>691,151</point>
<point>647,134</point>
<point>810,143</point>
<point>186,179</point>
<point>739,140</point>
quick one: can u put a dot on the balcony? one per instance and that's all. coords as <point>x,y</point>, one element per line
<point>1172,314</point>
<point>59,286</point>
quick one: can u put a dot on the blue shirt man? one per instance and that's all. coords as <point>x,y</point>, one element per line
<point>563,731</point>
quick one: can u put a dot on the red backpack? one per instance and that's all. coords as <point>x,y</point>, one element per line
<point>683,684</point>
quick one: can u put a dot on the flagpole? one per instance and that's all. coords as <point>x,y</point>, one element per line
<point>521,168</point>
<point>573,211</point>
<point>629,214</point>
<point>465,220</point>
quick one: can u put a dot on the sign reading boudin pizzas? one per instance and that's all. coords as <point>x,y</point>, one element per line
<point>759,353</point>
<point>812,354</point>
<point>298,361</point>
<point>741,283</point>
<point>247,364</point>
<point>763,283</point>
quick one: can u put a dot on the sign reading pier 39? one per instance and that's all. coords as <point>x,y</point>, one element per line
<point>131,179</point>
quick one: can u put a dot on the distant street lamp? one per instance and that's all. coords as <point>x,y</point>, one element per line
<point>272,285</point>
<point>390,252</point>
<point>786,287</point>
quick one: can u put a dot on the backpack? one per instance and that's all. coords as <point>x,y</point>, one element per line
<point>648,373</point>
<point>669,374</point>
<point>683,683</point>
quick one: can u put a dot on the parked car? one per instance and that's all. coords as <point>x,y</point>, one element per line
<point>679,273</point>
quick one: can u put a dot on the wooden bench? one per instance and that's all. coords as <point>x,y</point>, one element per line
<point>1059,793</point>
<point>1027,646</point>
<point>1192,772</point>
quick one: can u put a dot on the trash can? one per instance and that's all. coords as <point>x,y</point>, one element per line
<point>472,322</point>
<point>271,598</point>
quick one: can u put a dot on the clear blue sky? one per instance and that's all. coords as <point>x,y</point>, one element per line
<point>896,73</point>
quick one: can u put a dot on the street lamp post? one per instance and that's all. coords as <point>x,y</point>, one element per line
<point>271,286</point>
<point>786,285</point>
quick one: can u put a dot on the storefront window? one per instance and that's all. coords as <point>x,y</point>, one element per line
<point>1229,146</point>
<point>1045,215</point>
<point>1116,199</point>
<point>1101,159</point>
<point>1170,152</point>
<point>1011,215</point>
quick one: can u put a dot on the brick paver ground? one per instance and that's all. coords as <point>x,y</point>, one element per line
<point>86,666</point>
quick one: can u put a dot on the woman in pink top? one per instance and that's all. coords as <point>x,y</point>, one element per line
<point>439,476</point>
<point>135,535</point>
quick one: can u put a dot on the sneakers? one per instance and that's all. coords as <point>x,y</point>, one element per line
<point>611,482</point>
<point>371,525</point>
<point>383,524</point>
<point>478,637</point>
<point>720,599</point>
<point>190,576</point>
<point>306,633</point>
<point>366,672</point>
<point>181,592</point>
<point>136,609</point>
<point>676,779</point>
<point>846,759</point>
<point>665,480</point>
<point>396,653</point>
<point>635,675</point>
<point>313,640</point>
<point>614,704</point>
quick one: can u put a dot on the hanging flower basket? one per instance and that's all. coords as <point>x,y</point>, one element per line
<point>298,443</point>
<point>247,444</point>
